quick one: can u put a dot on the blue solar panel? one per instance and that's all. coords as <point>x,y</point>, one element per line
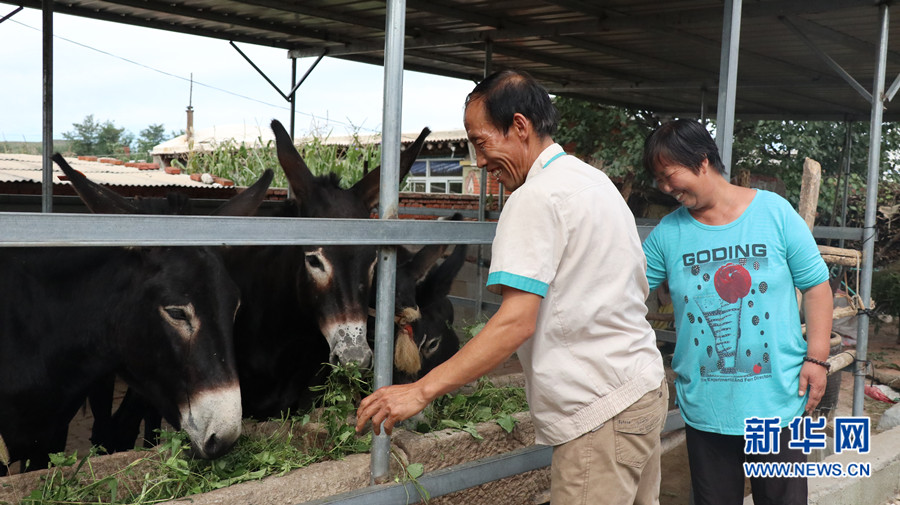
<point>443,167</point>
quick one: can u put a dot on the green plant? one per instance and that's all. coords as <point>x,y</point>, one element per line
<point>348,163</point>
<point>235,162</point>
<point>886,293</point>
<point>463,411</point>
<point>169,471</point>
<point>410,472</point>
<point>338,397</point>
<point>244,165</point>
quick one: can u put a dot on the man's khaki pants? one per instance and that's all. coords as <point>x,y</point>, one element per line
<point>616,463</point>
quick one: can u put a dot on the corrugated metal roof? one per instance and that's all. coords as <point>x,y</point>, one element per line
<point>659,55</point>
<point>27,168</point>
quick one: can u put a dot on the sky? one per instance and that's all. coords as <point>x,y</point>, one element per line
<point>135,77</point>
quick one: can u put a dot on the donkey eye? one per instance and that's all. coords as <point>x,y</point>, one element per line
<point>314,262</point>
<point>429,345</point>
<point>176,313</point>
<point>182,319</point>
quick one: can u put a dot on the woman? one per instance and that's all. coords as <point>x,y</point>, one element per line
<point>732,257</point>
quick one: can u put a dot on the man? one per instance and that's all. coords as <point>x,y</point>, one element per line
<point>568,262</point>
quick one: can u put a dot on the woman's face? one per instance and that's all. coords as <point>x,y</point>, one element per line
<point>680,182</point>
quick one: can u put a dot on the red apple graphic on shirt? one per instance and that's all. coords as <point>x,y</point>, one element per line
<point>732,282</point>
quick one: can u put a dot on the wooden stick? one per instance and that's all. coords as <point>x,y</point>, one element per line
<point>847,261</point>
<point>837,251</point>
<point>841,360</point>
<point>809,191</point>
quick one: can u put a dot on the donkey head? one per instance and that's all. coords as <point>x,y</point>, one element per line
<point>179,350</point>
<point>423,312</point>
<point>335,280</point>
<point>433,333</point>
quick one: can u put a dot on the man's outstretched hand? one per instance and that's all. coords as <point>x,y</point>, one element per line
<point>390,404</point>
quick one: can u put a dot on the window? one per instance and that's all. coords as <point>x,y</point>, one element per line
<point>435,176</point>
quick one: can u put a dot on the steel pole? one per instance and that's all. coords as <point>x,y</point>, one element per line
<point>874,173</point>
<point>728,67</point>
<point>47,135</point>
<point>388,205</point>
<point>482,198</point>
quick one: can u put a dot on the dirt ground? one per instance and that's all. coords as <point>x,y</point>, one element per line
<point>884,352</point>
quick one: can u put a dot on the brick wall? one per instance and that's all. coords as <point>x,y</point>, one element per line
<point>442,201</point>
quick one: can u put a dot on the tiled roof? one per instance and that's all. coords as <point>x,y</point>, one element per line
<point>28,168</point>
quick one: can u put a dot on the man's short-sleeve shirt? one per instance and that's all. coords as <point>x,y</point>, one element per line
<point>567,235</point>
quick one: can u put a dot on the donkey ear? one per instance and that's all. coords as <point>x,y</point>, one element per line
<point>367,188</point>
<point>438,281</point>
<point>424,260</point>
<point>99,199</point>
<point>298,174</point>
<point>247,201</point>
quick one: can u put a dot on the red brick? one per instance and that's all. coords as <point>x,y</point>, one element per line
<point>174,171</point>
<point>223,181</point>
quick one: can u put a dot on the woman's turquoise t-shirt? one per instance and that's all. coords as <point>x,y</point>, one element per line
<point>739,345</point>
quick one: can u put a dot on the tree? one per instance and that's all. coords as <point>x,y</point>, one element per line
<point>612,138</point>
<point>605,136</point>
<point>150,137</point>
<point>778,148</point>
<point>91,137</point>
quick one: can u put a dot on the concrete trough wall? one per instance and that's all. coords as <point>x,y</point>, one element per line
<point>435,451</point>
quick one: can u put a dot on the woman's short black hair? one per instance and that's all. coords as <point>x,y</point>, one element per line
<point>683,142</point>
<point>510,91</point>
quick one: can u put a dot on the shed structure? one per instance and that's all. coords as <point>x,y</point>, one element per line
<point>777,59</point>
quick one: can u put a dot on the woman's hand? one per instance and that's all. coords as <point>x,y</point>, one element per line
<point>814,377</point>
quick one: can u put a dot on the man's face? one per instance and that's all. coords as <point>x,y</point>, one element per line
<point>504,156</point>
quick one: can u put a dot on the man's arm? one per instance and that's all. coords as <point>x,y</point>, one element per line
<point>513,324</point>
<point>818,308</point>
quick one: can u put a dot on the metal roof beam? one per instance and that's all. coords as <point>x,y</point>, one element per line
<point>629,55</point>
<point>613,18</point>
<point>556,61</point>
<point>11,14</point>
<point>663,24</point>
<point>865,48</point>
<point>244,21</point>
<point>415,38</point>
<point>459,12</point>
<point>304,9</point>
<point>829,60</point>
<point>149,22</point>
